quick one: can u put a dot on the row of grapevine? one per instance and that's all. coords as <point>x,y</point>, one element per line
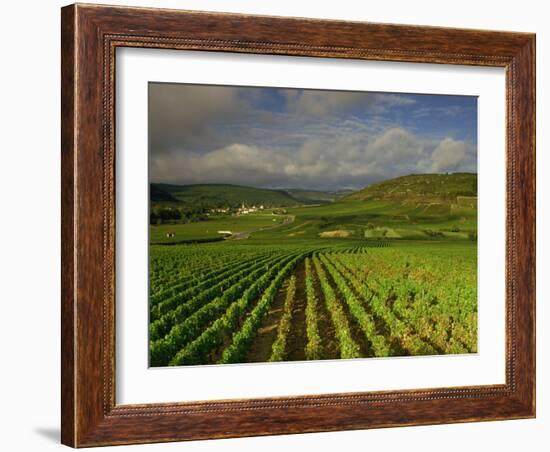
<point>171,266</point>
<point>211,337</point>
<point>198,275</point>
<point>348,347</point>
<point>399,331</point>
<point>176,279</point>
<point>230,285</point>
<point>243,338</point>
<point>376,244</point>
<point>208,304</point>
<point>247,286</point>
<point>364,319</point>
<point>177,268</point>
<point>313,347</point>
<point>435,295</point>
<point>279,348</point>
<point>217,279</point>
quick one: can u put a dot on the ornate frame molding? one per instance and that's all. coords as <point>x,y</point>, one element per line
<point>90,37</point>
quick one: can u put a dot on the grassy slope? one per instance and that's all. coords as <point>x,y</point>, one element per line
<point>373,217</point>
<point>378,211</point>
<point>421,187</point>
<point>208,229</point>
<point>222,195</point>
<point>410,207</point>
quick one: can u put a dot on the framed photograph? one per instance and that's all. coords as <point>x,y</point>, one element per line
<point>281,225</point>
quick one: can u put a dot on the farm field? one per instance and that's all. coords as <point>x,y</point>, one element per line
<point>208,230</point>
<point>237,302</point>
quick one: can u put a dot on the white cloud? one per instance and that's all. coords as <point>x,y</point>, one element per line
<point>180,113</point>
<point>448,155</point>
<point>319,103</point>
<point>292,138</point>
<point>337,161</point>
<point>396,145</point>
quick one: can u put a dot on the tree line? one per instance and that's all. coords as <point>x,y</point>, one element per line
<point>159,215</point>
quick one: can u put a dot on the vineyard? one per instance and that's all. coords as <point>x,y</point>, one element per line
<point>257,302</point>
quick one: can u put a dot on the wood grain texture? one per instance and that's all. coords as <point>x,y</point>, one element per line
<point>67,226</point>
<point>90,36</point>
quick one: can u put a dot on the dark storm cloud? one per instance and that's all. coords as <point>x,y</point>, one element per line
<point>272,137</point>
<point>183,116</point>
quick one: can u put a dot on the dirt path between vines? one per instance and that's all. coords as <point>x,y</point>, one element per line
<point>329,344</point>
<point>260,350</point>
<point>297,338</point>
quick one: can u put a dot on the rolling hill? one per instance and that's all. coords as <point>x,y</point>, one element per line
<point>157,194</point>
<point>421,188</point>
<point>457,188</point>
<point>220,195</point>
<point>415,207</point>
<point>316,196</point>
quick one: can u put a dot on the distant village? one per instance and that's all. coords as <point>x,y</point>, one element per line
<point>175,215</point>
<point>242,210</point>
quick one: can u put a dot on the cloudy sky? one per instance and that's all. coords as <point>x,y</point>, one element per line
<point>294,138</point>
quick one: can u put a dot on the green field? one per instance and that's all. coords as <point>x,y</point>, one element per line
<point>374,274</point>
<point>363,219</point>
<point>209,229</point>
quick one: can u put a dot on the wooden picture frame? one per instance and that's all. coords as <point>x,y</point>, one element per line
<point>90,36</point>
